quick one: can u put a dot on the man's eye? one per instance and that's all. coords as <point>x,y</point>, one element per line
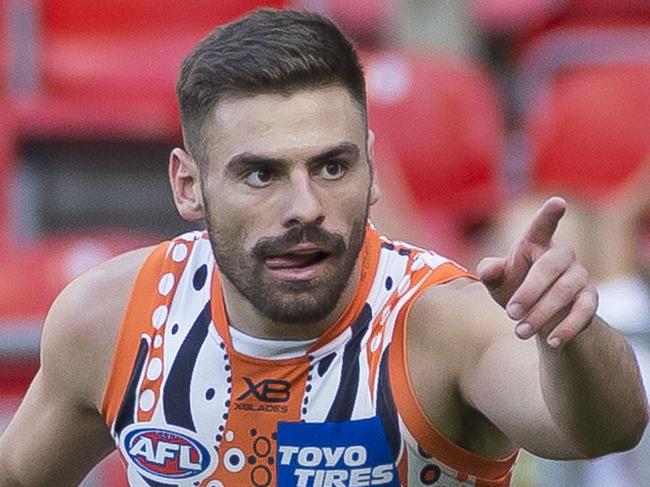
<point>332,170</point>
<point>259,178</point>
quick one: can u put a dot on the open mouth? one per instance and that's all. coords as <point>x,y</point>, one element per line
<point>295,260</point>
<point>297,264</point>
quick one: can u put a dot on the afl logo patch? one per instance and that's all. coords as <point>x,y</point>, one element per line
<point>163,454</point>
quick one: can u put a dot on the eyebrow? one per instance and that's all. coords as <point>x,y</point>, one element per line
<point>245,160</point>
<point>347,149</point>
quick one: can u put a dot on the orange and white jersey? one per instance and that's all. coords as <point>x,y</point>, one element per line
<point>192,402</point>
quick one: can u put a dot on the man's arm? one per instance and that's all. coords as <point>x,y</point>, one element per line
<point>580,401</point>
<point>593,390</point>
<point>58,434</point>
<point>575,390</point>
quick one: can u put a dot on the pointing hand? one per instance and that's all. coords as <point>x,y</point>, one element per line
<point>540,283</point>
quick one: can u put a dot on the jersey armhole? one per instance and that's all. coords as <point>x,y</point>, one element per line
<point>434,443</point>
<point>134,323</point>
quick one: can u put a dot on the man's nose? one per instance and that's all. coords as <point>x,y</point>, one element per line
<point>303,205</point>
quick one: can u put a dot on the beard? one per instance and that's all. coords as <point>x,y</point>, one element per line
<point>281,301</point>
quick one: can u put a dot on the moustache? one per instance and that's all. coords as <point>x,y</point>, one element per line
<point>332,243</point>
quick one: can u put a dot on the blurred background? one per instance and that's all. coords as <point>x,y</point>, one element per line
<point>481,109</point>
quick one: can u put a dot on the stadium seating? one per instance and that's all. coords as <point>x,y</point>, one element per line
<point>365,21</point>
<point>41,269</point>
<point>584,97</point>
<point>33,274</point>
<point>526,19</point>
<point>511,16</point>
<point>584,102</point>
<point>107,68</point>
<point>592,130</point>
<point>630,10</point>
<point>440,117</point>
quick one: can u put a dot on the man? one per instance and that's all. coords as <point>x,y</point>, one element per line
<point>291,345</point>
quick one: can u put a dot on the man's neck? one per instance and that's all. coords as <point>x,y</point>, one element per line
<point>247,319</point>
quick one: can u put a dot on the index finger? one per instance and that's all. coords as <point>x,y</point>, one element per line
<point>545,221</point>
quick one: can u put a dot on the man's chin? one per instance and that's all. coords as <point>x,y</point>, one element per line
<point>281,292</point>
<point>296,302</point>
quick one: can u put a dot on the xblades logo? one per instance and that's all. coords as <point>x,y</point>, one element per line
<point>261,408</point>
<point>267,390</point>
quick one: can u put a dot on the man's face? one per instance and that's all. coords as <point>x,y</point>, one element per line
<point>286,194</point>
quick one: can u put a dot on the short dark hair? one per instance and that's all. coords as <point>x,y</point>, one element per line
<point>267,51</point>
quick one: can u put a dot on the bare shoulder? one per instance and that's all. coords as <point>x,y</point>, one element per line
<point>450,327</point>
<point>81,328</point>
<point>457,320</point>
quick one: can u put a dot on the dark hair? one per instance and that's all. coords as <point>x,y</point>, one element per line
<point>267,51</point>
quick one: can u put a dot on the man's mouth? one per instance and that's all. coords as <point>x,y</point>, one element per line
<point>300,263</point>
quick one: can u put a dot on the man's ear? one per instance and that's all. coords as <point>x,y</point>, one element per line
<point>375,192</point>
<point>184,177</point>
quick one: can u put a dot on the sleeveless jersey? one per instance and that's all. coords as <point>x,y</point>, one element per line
<point>186,408</point>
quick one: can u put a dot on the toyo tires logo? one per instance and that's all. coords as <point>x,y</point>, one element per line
<point>334,454</point>
<point>164,453</point>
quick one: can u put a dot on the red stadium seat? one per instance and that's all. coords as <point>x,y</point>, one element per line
<point>644,246</point>
<point>146,17</point>
<point>584,96</point>
<point>591,130</point>
<point>440,117</point>
<point>512,16</point>
<point>107,68</point>
<point>530,18</point>
<point>40,271</point>
<point>631,10</point>
<point>366,21</point>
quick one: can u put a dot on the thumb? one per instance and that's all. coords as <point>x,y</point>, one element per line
<point>491,271</point>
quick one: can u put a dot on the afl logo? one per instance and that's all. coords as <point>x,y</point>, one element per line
<point>164,453</point>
